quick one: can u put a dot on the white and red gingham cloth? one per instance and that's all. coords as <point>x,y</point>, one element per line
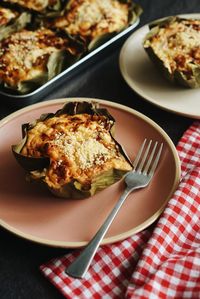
<point>162,261</point>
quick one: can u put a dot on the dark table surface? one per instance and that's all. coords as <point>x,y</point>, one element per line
<point>20,259</point>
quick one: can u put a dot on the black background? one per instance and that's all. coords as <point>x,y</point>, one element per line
<point>20,277</point>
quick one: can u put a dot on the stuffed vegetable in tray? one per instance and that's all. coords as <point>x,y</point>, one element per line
<point>43,41</point>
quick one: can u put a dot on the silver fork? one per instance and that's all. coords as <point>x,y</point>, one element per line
<point>144,167</point>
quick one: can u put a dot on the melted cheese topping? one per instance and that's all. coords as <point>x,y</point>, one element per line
<point>177,45</point>
<point>6,15</point>
<point>24,54</point>
<point>37,5</point>
<point>91,18</point>
<point>79,147</point>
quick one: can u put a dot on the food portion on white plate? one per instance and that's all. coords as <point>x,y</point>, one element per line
<point>163,88</point>
<point>173,45</point>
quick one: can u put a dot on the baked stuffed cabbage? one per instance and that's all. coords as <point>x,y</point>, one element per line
<point>173,44</point>
<point>29,58</point>
<point>72,151</point>
<point>94,21</point>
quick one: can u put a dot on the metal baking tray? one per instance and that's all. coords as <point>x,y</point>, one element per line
<point>40,92</point>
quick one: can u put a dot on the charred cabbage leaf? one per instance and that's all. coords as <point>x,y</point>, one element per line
<point>95,21</point>
<point>12,21</point>
<point>72,151</point>
<point>173,44</point>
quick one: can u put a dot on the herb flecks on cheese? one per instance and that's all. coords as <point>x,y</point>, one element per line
<point>92,18</point>
<point>177,44</point>
<point>80,148</point>
<point>24,54</point>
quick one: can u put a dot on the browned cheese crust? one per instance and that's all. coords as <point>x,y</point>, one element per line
<point>92,18</point>
<point>80,147</point>
<point>24,55</point>
<point>177,44</point>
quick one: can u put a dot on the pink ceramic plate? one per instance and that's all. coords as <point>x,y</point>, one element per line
<point>35,214</point>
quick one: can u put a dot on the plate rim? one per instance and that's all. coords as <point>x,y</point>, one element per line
<point>118,237</point>
<point>131,83</point>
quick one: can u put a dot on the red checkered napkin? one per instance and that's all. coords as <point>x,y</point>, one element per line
<point>162,261</point>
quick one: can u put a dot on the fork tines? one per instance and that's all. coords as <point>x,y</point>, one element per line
<point>148,157</point>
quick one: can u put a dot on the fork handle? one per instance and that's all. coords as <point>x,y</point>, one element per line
<point>79,267</point>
